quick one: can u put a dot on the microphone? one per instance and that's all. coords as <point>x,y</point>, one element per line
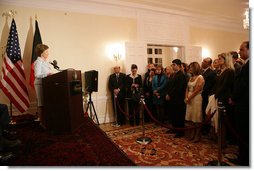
<point>54,63</point>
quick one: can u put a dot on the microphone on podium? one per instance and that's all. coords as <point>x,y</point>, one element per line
<point>54,63</point>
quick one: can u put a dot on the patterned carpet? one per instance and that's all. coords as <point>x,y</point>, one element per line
<point>165,150</point>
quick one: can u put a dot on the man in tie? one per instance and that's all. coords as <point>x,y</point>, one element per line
<point>210,79</point>
<point>240,99</point>
<point>116,86</point>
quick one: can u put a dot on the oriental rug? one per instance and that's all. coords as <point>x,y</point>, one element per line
<point>165,150</point>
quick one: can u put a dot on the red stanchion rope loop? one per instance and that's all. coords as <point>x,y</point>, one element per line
<point>226,119</point>
<point>178,129</point>
<point>121,110</point>
<point>165,125</point>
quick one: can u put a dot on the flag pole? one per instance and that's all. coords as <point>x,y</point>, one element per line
<point>11,122</point>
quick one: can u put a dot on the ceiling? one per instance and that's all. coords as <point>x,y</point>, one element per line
<point>227,9</point>
<point>230,10</point>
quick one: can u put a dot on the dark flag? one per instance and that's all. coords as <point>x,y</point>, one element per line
<point>37,40</point>
<point>13,81</point>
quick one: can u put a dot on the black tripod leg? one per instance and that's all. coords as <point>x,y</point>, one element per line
<point>95,114</point>
<point>88,104</point>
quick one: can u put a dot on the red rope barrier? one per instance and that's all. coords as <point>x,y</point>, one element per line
<point>178,129</point>
<point>121,110</point>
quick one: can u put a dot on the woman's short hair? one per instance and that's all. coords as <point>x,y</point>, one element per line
<point>40,48</point>
<point>134,66</point>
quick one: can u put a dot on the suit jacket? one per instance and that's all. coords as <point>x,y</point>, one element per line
<point>241,89</point>
<point>176,90</point>
<point>210,80</point>
<point>115,83</point>
<point>224,86</point>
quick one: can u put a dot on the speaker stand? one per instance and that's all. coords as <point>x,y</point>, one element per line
<point>91,108</point>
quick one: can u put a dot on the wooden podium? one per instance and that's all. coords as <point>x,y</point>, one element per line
<point>62,97</point>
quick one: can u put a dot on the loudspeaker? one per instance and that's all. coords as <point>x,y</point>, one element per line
<point>91,81</point>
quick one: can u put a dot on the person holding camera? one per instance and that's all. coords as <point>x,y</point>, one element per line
<point>133,86</point>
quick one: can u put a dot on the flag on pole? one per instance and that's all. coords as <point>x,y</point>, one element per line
<point>37,40</point>
<point>13,81</point>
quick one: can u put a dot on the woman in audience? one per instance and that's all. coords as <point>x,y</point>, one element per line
<point>159,92</point>
<point>169,72</point>
<point>216,66</point>
<point>224,86</point>
<point>148,93</point>
<point>193,99</point>
<point>133,84</point>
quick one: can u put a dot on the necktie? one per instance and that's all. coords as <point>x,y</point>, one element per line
<point>117,76</point>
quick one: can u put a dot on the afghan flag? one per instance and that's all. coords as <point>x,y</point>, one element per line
<point>37,40</point>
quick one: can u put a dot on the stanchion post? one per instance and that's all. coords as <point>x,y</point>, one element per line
<point>115,124</point>
<point>143,140</point>
<point>219,162</point>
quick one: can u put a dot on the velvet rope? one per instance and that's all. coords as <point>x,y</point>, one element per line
<point>165,125</point>
<point>121,110</point>
<point>226,119</point>
<point>178,129</point>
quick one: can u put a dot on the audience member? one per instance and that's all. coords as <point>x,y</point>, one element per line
<point>237,65</point>
<point>176,95</point>
<point>193,99</point>
<point>216,66</point>
<point>224,86</point>
<point>159,92</point>
<point>5,143</point>
<point>133,85</point>
<point>240,98</point>
<point>116,86</point>
<point>210,79</point>
<point>169,72</point>
<point>148,94</point>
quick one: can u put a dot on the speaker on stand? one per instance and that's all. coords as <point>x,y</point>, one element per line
<point>91,85</point>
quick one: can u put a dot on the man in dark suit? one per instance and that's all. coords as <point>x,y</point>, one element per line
<point>240,98</point>
<point>116,86</point>
<point>175,95</point>
<point>210,80</point>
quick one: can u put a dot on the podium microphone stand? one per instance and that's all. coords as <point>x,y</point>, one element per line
<point>143,140</point>
<point>219,162</point>
<point>91,108</point>
<point>115,112</point>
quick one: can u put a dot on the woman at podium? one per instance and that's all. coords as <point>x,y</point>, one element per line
<point>41,69</point>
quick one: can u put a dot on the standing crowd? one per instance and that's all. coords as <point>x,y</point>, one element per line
<point>180,94</point>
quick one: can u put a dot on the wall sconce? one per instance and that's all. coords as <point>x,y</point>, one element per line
<point>115,51</point>
<point>117,56</point>
<point>246,19</point>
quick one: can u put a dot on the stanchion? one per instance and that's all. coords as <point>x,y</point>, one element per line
<point>143,140</point>
<point>219,162</point>
<point>115,124</point>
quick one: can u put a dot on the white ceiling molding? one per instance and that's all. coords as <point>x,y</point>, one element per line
<point>131,9</point>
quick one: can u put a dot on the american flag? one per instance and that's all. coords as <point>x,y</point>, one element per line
<point>13,82</point>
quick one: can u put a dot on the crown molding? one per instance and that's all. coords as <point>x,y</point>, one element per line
<point>131,10</point>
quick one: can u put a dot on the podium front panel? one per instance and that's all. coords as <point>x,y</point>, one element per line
<point>63,106</point>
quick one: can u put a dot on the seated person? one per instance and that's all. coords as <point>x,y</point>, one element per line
<point>5,144</point>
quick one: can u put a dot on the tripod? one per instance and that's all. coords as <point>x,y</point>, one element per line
<point>91,106</point>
